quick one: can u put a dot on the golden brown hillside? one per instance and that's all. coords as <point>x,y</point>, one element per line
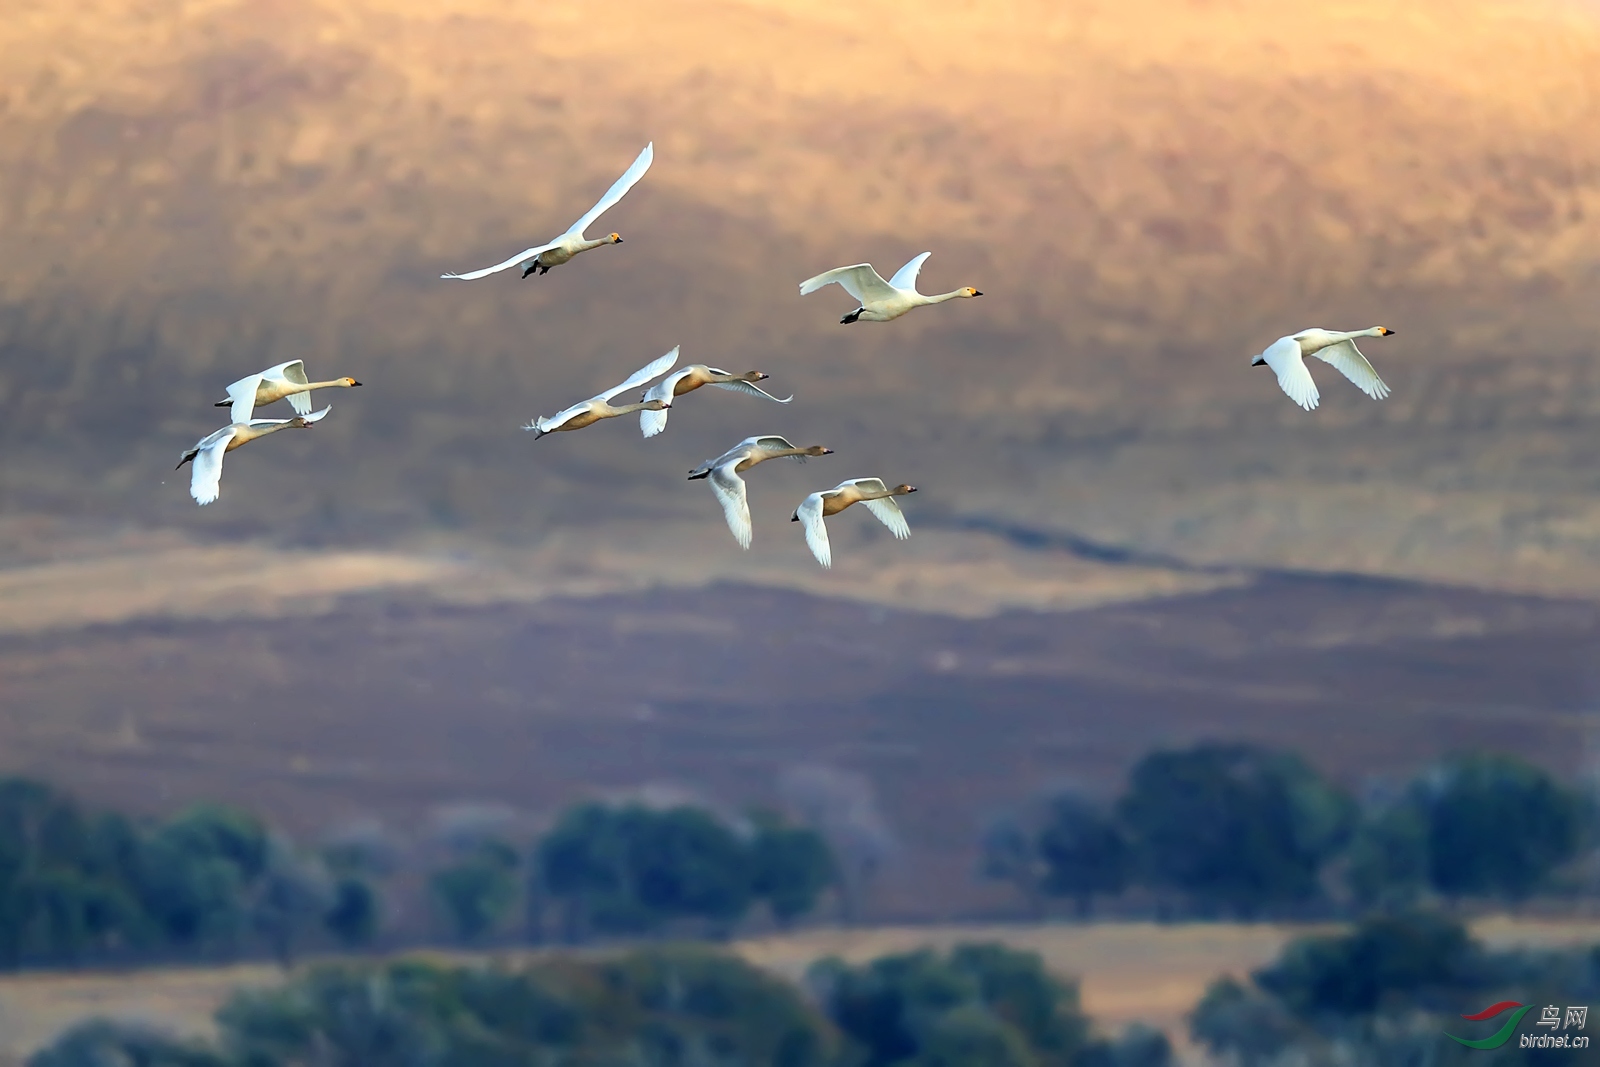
<point>1147,192</point>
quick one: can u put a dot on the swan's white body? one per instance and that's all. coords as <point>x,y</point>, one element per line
<point>599,406</point>
<point>286,381</point>
<point>1286,357</point>
<point>882,300</point>
<point>723,474</point>
<point>205,483</point>
<point>556,252</point>
<point>878,498</point>
<point>687,380</point>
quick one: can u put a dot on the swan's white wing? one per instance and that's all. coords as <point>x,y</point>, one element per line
<point>294,372</point>
<point>205,481</point>
<point>318,416</point>
<point>859,280</point>
<point>653,422</point>
<point>629,178</point>
<point>770,443</point>
<point>906,276</point>
<point>1347,359</point>
<point>643,374</point>
<point>1283,356</point>
<point>888,513</point>
<point>243,395</point>
<point>735,505</point>
<point>752,388</point>
<point>810,515</point>
<point>519,258</point>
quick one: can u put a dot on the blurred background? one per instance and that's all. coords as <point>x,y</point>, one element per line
<point>414,680</point>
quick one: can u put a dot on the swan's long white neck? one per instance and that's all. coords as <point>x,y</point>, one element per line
<point>942,297</point>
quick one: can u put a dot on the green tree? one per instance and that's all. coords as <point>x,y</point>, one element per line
<point>1356,973</point>
<point>355,913</point>
<point>1236,827</point>
<point>1496,826</point>
<point>1387,861</point>
<point>978,1001</point>
<point>66,879</point>
<point>198,871</point>
<point>791,867</point>
<point>671,1005</point>
<point>1007,854</point>
<point>634,869</point>
<point>100,1042</point>
<point>477,892</point>
<point>1244,1024</point>
<point>292,896</point>
<point>1083,851</point>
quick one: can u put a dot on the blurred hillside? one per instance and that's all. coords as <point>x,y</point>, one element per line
<point>1147,192</point>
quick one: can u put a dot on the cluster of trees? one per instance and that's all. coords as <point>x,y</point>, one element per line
<point>1244,831</point>
<point>209,881</point>
<point>631,870</point>
<point>1384,995</point>
<point>214,882</point>
<point>978,1006</point>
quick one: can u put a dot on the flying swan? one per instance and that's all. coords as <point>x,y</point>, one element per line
<point>878,498</point>
<point>723,474</point>
<point>599,407</point>
<point>687,380</point>
<point>1285,357</point>
<point>206,481</point>
<point>882,300</point>
<point>543,257</point>
<point>286,381</point>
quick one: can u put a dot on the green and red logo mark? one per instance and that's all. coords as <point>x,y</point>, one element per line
<point>1500,1036</point>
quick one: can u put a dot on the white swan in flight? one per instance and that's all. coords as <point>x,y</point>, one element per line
<point>878,498</point>
<point>1285,357</point>
<point>723,473</point>
<point>687,380</point>
<point>285,381</point>
<point>599,407</point>
<point>543,257</point>
<point>206,481</point>
<point>882,300</point>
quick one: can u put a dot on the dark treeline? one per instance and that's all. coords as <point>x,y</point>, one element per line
<point>1206,832</point>
<point>1384,994</point>
<point>1244,832</point>
<point>672,1006</point>
<point>213,882</point>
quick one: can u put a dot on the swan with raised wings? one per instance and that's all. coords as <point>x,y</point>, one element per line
<point>205,483</point>
<point>723,474</point>
<point>600,407</point>
<point>687,380</point>
<point>882,300</point>
<point>1286,357</point>
<point>554,253</point>
<point>878,498</point>
<point>286,381</point>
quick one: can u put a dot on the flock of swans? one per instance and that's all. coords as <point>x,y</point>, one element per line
<point>878,300</point>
